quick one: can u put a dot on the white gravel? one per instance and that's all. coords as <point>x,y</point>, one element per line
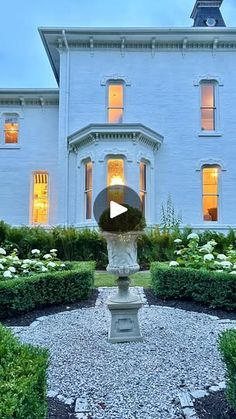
<point>136,380</point>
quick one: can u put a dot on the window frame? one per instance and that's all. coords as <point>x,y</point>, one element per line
<point>145,190</point>
<point>115,82</point>
<point>87,191</point>
<point>218,194</point>
<point>38,172</point>
<point>4,116</point>
<point>217,84</point>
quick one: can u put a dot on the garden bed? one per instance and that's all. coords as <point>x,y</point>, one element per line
<point>20,295</point>
<point>215,289</point>
<point>214,406</point>
<point>188,305</point>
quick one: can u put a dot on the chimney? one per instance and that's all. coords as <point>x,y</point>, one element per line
<point>206,13</point>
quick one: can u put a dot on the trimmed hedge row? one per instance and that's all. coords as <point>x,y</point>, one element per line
<point>211,288</point>
<point>22,379</point>
<point>26,293</point>
<point>227,346</point>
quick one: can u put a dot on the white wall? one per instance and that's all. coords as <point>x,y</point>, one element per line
<point>37,150</point>
<point>163,96</point>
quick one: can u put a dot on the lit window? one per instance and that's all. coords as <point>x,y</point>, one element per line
<point>11,128</point>
<point>115,177</point>
<point>143,186</point>
<point>40,198</point>
<point>210,176</point>
<point>115,103</point>
<point>208,106</point>
<point>88,189</point>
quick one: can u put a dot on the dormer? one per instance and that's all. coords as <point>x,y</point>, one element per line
<point>206,13</point>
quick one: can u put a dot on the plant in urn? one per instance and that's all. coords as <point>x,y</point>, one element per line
<point>121,234</point>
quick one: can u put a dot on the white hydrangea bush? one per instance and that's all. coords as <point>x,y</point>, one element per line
<point>205,256</point>
<point>11,266</point>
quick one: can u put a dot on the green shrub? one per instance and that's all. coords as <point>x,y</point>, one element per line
<point>211,288</point>
<point>22,379</point>
<point>26,293</point>
<point>131,220</point>
<point>227,346</point>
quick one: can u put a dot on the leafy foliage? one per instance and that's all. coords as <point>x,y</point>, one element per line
<point>169,218</point>
<point>227,346</point>
<point>211,288</point>
<point>22,379</point>
<point>26,293</point>
<point>131,220</point>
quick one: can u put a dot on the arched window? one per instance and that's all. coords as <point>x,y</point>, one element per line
<point>11,128</point>
<point>115,177</point>
<point>88,189</point>
<point>40,198</point>
<point>115,102</point>
<point>208,105</point>
<point>143,186</point>
<point>210,192</point>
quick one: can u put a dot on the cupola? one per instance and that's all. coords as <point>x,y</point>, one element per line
<point>206,13</point>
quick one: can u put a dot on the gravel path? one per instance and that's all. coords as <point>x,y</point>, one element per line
<point>136,380</point>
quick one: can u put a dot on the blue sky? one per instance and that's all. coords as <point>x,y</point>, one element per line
<point>23,61</point>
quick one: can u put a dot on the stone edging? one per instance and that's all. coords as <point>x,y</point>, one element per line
<point>187,398</point>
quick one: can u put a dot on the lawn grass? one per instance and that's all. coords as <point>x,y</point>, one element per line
<point>140,279</point>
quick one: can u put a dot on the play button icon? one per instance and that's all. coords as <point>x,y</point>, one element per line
<point>116,209</point>
<point>115,198</point>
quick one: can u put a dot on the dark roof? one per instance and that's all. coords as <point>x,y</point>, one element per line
<point>202,12</point>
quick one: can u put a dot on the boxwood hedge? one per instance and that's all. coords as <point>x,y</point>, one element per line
<point>211,288</point>
<point>22,379</point>
<point>228,350</point>
<point>26,293</point>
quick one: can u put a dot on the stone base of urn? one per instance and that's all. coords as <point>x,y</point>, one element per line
<point>124,307</point>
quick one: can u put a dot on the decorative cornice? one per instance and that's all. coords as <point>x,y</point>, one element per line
<point>115,77</point>
<point>210,162</point>
<point>208,77</point>
<point>135,133</point>
<point>35,97</point>
<point>30,102</point>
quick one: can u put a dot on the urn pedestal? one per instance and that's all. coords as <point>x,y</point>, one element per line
<point>124,305</point>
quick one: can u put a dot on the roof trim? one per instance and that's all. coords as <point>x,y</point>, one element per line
<point>134,132</point>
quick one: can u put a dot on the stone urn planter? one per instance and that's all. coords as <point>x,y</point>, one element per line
<point>122,256</point>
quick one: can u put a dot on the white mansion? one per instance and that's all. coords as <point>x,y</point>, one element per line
<point>154,109</point>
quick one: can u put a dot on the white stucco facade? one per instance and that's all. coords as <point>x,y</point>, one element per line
<point>161,71</point>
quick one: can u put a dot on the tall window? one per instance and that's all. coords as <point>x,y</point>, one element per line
<point>115,103</point>
<point>88,189</point>
<point>143,186</point>
<point>210,178</point>
<point>11,129</point>
<point>208,106</point>
<point>40,198</point>
<point>115,177</point>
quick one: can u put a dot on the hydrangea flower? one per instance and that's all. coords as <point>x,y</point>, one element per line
<point>12,269</point>
<point>35,252</point>
<point>2,251</point>
<point>220,256</point>
<point>173,263</point>
<point>1,266</point>
<point>44,269</point>
<point>226,264</point>
<point>208,257</point>
<point>7,274</point>
<point>53,251</point>
<point>51,264</point>
<point>177,241</point>
<point>193,236</point>
<point>233,273</point>
<point>47,256</point>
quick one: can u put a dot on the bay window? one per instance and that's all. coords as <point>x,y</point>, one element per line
<point>143,186</point>
<point>88,189</point>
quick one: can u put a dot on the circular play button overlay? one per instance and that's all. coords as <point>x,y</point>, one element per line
<point>115,198</point>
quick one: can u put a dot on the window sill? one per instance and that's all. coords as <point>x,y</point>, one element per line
<point>9,146</point>
<point>210,134</point>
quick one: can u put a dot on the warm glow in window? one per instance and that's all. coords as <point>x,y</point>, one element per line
<point>143,186</point>
<point>11,129</point>
<point>208,108</point>
<point>40,198</point>
<point>88,189</point>
<point>210,193</point>
<point>115,177</point>
<point>115,103</point>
